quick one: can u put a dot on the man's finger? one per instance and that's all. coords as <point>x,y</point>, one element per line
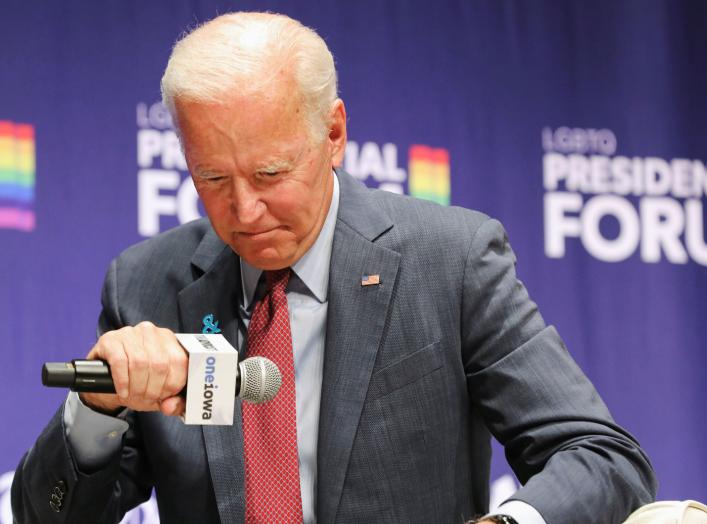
<point>138,363</point>
<point>158,361</point>
<point>178,363</point>
<point>173,406</point>
<point>111,349</point>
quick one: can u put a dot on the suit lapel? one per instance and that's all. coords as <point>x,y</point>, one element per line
<point>216,292</point>
<point>355,322</point>
<point>355,325</point>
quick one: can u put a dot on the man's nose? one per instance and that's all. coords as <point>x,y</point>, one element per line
<point>246,202</point>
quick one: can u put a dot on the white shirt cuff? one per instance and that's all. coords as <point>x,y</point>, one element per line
<point>93,437</point>
<point>523,512</point>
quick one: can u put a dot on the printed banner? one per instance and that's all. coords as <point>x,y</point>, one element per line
<point>581,126</point>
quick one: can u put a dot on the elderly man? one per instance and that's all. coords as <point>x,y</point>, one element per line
<point>401,331</point>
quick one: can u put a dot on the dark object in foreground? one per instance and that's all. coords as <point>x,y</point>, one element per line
<point>79,375</point>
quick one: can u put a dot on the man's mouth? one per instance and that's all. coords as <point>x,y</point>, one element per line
<point>255,234</point>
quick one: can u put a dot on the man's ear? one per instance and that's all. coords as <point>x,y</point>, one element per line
<point>337,132</point>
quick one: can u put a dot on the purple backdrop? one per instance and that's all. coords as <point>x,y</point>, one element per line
<point>581,126</point>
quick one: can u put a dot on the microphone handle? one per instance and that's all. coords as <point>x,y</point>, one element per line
<point>90,376</point>
<point>83,376</point>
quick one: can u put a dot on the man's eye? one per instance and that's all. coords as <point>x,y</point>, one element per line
<point>269,173</point>
<point>213,179</point>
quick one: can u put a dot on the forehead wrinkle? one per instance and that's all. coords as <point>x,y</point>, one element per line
<point>283,159</point>
<point>225,140</point>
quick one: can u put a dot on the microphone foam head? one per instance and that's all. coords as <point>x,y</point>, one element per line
<point>260,380</point>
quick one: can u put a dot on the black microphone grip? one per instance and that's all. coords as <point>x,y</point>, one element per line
<point>90,376</point>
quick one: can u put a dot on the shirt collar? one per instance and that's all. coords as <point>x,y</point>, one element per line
<point>313,268</point>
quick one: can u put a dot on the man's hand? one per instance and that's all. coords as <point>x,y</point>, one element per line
<point>149,369</point>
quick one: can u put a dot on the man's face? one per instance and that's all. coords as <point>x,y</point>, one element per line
<point>265,185</point>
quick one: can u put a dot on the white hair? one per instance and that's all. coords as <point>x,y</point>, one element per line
<point>243,52</point>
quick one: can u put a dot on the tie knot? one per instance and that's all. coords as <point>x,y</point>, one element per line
<point>277,279</point>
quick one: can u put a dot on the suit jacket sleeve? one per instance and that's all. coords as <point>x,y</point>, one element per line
<point>575,463</point>
<point>99,496</point>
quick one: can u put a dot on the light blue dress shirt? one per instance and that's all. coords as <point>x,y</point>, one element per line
<point>94,437</point>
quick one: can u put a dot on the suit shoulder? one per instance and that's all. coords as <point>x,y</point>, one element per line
<point>143,282</point>
<point>414,216</point>
<point>178,244</point>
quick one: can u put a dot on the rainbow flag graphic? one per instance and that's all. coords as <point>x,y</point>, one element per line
<point>428,173</point>
<point>17,176</point>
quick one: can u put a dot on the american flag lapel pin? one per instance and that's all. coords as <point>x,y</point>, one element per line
<point>370,280</point>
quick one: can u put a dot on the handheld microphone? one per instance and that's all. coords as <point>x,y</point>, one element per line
<point>257,378</point>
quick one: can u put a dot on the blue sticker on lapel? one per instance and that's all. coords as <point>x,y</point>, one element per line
<point>210,327</point>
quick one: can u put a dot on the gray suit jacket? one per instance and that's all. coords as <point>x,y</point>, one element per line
<point>417,371</point>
